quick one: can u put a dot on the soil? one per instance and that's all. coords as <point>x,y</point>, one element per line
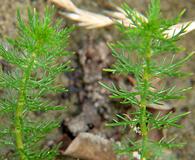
<point>89,107</point>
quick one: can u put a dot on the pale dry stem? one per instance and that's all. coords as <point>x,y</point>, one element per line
<point>92,20</point>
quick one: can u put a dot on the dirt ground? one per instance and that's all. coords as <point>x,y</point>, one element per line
<point>89,105</point>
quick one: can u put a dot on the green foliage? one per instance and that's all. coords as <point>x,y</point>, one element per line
<point>34,54</point>
<point>138,54</point>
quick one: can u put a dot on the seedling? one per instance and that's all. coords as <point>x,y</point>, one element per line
<point>138,54</point>
<point>34,55</point>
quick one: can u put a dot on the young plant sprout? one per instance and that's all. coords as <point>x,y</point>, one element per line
<point>138,54</point>
<point>33,54</point>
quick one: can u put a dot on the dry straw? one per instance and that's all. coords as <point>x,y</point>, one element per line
<point>92,20</point>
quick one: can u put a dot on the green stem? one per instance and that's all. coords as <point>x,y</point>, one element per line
<point>144,129</point>
<point>143,103</point>
<point>20,109</point>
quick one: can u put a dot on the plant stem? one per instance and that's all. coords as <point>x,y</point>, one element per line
<point>143,103</point>
<point>20,108</point>
<point>144,129</point>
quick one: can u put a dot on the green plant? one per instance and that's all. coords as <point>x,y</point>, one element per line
<point>34,54</point>
<point>138,54</point>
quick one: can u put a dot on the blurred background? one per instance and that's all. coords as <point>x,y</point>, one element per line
<point>89,107</point>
